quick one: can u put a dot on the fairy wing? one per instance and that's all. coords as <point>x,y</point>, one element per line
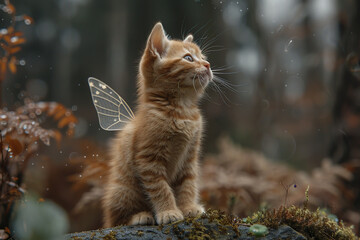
<point>112,110</point>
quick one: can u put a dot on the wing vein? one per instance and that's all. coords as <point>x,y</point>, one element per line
<point>107,100</point>
<point>107,94</point>
<point>109,105</point>
<point>108,115</point>
<point>125,116</point>
<point>113,124</point>
<point>96,105</point>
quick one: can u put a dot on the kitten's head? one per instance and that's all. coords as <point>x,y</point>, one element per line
<point>174,65</point>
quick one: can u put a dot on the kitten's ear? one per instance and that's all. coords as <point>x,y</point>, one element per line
<point>189,38</point>
<point>157,41</point>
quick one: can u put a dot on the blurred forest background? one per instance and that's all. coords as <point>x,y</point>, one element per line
<point>293,64</point>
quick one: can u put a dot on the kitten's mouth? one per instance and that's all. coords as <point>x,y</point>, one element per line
<point>205,77</point>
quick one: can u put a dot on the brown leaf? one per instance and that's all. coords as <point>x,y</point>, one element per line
<point>7,230</point>
<point>10,7</point>
<point>66,121</point>
<point>7,38</point>
<point>17,40</point>
<point>12,65</point>
<point>3,65</point>
<point>57,135</point>
<point>5,47</point>
<point>15,145</point>
<point>14,50</point>
<point>60,112</point>
<point>10,29</point>
<point>28,20</point>
<point>17,34</point>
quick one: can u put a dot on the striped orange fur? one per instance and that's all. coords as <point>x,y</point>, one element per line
<point>154,159</point>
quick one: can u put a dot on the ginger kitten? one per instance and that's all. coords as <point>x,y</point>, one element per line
<point>154,159</point>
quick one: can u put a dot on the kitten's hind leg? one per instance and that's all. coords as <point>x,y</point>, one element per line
<point>120,203</point>
<point>142,218</point>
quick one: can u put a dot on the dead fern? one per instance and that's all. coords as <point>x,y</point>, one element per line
<point>94,169</point>
<point>239,182</point>
<point>22,130</point>
<point>21,133</point>
<point>10,40</point>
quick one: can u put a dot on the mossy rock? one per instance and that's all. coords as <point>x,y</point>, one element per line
<point>211,225</point>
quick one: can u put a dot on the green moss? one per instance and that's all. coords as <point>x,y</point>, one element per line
<point>198,230</point>
<point>140,233</point>
<point>110,236</point>
<point>313,225</point>
<point>76,238</point>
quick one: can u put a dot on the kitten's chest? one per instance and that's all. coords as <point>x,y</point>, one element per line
<point>182,145</point>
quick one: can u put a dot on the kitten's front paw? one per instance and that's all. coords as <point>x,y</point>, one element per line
<point>142,218</point>
<point>192,210</point>
<point>169,216</point>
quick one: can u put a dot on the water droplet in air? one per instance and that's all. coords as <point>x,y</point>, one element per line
<point>14,39</point>
<point>22,62</point>
<point>286,49</point>
<point>27,21</point>
<point>3,31</point>
<point>42,166</point>
<point>80,175</point>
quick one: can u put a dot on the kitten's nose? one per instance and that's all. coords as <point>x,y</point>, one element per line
<point>207,65</point>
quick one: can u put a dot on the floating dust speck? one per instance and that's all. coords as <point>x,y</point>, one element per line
<point>288,46</point>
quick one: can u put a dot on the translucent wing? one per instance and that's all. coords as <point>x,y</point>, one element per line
<point>112,110</point>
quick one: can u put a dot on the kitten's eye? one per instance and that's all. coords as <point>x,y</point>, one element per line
<point>188,57</point>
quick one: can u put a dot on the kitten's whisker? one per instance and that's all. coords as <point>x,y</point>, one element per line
<point>204,35</point>
<point>205,93</point>
<point>206,45</point>
<point>225,73</point>
<point>222,68</point>
<point>200,80</point>
<point>206,52</point>
<point>214,49</point>
<point>201,28</point>
<point>226,85</point>
<point>225,82</point>
<point>224,98</point>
